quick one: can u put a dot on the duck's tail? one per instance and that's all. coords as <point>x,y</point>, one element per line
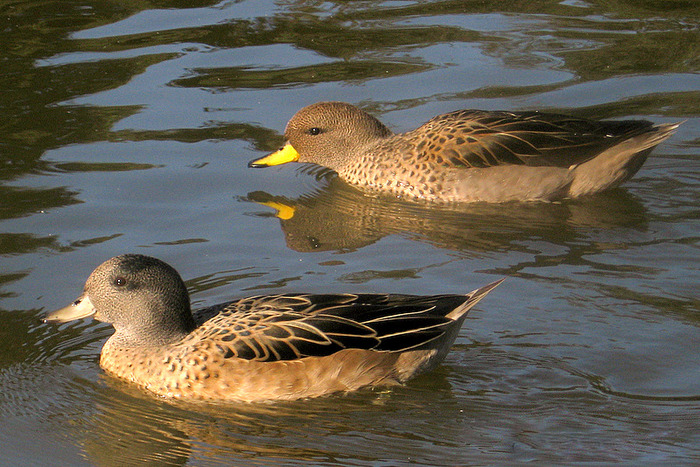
<point>474,297</point>
<point>619,163</point>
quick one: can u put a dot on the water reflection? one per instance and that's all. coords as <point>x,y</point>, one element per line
<point>338,217</point>
<point>130,426</point>
<point>546,399</point>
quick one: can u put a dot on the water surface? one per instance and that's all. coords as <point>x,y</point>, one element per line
<point>127,128</point>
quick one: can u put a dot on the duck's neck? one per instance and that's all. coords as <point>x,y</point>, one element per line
<point>155,332</point>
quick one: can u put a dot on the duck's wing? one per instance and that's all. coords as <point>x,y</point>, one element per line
<point>294,326</point>
<point>475,138</point>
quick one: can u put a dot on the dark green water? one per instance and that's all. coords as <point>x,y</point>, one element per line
<point>127,127</point>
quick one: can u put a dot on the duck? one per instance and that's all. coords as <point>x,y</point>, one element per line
<point>261,348</point>
<point>471,155</point>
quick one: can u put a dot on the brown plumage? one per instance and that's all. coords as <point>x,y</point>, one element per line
<point>277,347</point>
<point>471,155</point>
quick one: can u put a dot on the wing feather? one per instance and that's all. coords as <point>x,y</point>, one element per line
<point>293,326</point>
<point>473,138</point>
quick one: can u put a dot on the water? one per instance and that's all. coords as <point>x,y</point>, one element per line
<point>127,128</point>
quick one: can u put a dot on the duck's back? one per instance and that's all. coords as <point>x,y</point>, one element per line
<point>474,155</point>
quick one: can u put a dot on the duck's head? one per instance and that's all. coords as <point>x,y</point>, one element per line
<point>328,134</point>
<point>142,297</point>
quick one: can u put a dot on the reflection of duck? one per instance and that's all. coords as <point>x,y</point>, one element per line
<point>471,155</point>
<point>339,217</point>
<point>266,347</point>
<point>126,427</point>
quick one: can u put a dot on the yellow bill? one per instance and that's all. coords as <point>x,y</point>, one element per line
<point>286,154</point>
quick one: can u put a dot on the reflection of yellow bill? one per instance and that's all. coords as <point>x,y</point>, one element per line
<point>286,154</point>
<point>284,212</point>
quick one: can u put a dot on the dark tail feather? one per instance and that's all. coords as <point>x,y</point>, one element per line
<point>474,298</point>
<point>662,133</point>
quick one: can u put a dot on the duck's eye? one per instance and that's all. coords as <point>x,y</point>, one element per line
<point>314,131</point>
<point>120,281</point>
